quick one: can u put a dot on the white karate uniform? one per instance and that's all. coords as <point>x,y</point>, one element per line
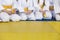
<point>46,8</point>
<point>57,9</point>
<point>39,15</point>
<point>5,16</point>
<point>29,4</point>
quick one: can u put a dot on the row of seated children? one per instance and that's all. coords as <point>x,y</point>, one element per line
<point>26,10</point>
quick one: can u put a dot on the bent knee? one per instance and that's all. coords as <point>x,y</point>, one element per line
<point>15,17</point>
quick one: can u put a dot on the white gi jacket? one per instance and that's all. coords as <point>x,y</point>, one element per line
<point>57,6</point>
<point>12,3</point>
<point>22,4</point>
<point>38,5</point>
<point>8,5</point>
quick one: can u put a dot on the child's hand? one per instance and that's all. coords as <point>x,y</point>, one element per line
<point>9,12</point>
<point>29,12</point>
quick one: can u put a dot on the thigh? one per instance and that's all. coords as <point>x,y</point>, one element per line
<point>48,14</point>
<point>38,15</point>
<point>31,16</point>
<point>4,16</point>
<point>23,16</point>
<point>15,17</point>
<point>57,17</point>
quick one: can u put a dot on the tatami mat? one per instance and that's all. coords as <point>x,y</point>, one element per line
<point>30,30</point>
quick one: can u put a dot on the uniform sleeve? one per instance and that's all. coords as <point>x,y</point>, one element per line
<point>35,4</point>
<point>21,5</point>
<point>47,4</point>
<point>1,7</point>
<point>40,4</point>
<point>15,4</point>
<point>57,6</point>
<point>30,5</point>
<point>51,3</point>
